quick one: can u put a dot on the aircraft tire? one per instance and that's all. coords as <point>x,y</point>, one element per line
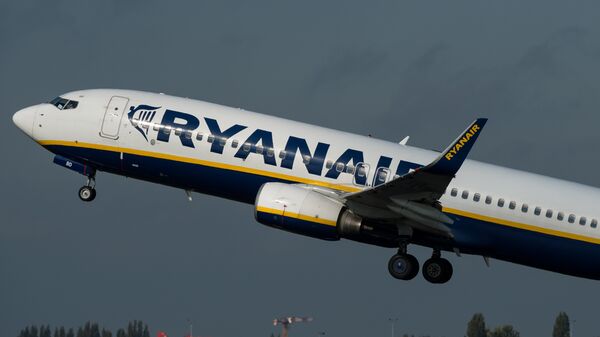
<point>87,194</point>
<point>437,270</point>
<point>403,266</point>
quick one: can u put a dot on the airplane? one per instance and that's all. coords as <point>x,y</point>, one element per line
<point>327,184</point>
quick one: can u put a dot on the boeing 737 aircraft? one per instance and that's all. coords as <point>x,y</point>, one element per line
<point>327,184</point>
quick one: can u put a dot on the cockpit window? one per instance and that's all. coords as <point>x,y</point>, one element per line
<point>64,104</point>
<point>71,105</point>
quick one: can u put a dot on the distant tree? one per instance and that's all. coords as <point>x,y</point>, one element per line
<point>95,330</point>
<point>106,333</point>
<point>476,326</point>
<point>71,333</point>
<point>562,326</point>
<point>25,332</point>
<point>504,331</point>
<point>121,333</point>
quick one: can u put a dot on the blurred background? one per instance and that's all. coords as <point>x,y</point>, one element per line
<point>392,69</point>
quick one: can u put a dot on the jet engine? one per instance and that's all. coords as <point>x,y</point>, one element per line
<point>301,210</point>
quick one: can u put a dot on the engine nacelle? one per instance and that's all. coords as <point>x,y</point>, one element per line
<point>300,210</point>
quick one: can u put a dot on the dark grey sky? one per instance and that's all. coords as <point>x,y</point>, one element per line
<point>390,68</point>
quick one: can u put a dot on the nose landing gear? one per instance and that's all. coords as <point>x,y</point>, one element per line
<point>87,193</point>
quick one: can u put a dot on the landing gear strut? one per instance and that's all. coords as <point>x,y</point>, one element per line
<point>437,269</point>
<point>403,266</point>
<point>88,192</point>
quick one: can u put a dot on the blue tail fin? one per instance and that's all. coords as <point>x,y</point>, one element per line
<point>452,158</point>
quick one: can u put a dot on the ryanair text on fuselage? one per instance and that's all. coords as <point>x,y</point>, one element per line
<point>187,123</point>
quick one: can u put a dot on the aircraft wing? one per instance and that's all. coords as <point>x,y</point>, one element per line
<point>415,195</point>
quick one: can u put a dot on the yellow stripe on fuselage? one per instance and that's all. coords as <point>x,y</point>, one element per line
<point>332,223</point>
<point>188,160</point>
<point>345,188</point>
<point>523,226</point>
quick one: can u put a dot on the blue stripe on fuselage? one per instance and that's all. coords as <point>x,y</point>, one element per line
<point>471,236</point>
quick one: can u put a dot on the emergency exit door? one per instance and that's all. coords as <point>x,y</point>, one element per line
<point>113,116</point>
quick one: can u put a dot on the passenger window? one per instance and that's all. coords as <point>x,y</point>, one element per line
<point>560,216</point>
<point>594,223</point>
<point>282,154</point>
<point>549,213</point>
<point>222,141</point>
<point>454,192</point>
<point>340,168</point>
<point>488,200</point>
<point>306,159</point>
<point>235,143</point>
<point>259,149</point>
<point>476,197</point>
<point>500,202</point>
<point>178,132</point>
<point>156,127</point>
<point>582,221</point>
<point>211,138</point>
<point>512,205</point>
<point>350,169</point>
<point>188,134</point>
<point>524,208</point>
<point>270,152</point>
<point>537,211</point>
<point>246,147</point>
<point>329,164</point>
<point>465,194</point>
<point>166,130</point>
<point>571,218</point>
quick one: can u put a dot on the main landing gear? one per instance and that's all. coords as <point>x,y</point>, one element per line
<point>404,266</point>
<point>87,193</point>
<point>437,269</point>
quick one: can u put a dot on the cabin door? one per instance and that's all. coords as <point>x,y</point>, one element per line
<point>113,116</point>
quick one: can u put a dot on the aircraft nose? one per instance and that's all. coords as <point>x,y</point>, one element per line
<point>24,119</point>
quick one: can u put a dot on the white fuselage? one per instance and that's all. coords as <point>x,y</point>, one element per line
<point>532,204</point>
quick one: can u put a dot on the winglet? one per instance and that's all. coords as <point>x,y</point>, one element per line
<point>452,158</point>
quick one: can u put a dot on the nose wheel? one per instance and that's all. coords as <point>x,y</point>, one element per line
<point>88,192</point>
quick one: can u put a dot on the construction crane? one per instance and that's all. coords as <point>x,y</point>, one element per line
<point>286,323</point>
